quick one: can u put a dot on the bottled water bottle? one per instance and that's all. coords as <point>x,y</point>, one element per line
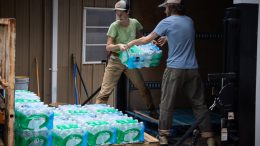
<point>129,131</point>
<point>147,55</point>
<point>33,138</point>
<point>114,117</point>
<point>69,106</point>
<point>29,104</point>
<point>59,114</point>
<point>76,110</point>
<point>100,132</point>
<point>68,133</point>
<point>103,109</point>
<point>154,54</point>
<point>124,57</point>
<point>94,107</point>
<point>24,92</point>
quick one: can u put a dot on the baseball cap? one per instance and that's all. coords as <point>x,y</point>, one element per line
<point>121,6</point>
<point>169,2</point>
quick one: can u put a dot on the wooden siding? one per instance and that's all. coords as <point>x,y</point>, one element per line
<point>23,35</point>
<point>33,41</point>
<point>64,91</point>
<point>34,28</point>
<point>34,22</point>
<point>46,79</point>
<point>93,74</point>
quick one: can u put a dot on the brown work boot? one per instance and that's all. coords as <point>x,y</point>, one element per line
<point>210,141</point>
<point>163,140</point>
<point>164,137</point>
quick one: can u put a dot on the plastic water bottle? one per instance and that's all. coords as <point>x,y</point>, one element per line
<point>147,55</point>
<point>124,57</point>
<point>100,132</point>
<point>68,133</point>
<point>33,138</point>
<point>129,131</point>
<point>76,110</point>
<point>103,109</point>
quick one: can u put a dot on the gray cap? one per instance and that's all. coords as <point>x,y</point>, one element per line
<point>121,5</point>
<point>169,2</point>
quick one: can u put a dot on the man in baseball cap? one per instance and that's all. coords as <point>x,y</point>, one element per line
<point>181,77</point>
<point>120,32</point>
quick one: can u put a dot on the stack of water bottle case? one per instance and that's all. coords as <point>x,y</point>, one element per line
<point>36,124</point>
<point>148,55</point>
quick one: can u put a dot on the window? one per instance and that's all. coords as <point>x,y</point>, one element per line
<point>96,22</point>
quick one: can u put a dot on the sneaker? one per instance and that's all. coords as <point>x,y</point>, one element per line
<point>154,114</point>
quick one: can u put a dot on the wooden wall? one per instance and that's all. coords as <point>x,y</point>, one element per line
<point>93,74</point>
<point>33,41</point>
<point>34,20</point>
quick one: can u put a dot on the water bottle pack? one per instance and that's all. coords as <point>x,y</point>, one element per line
<point>36,124</point>
<point>100,132</point>
<point>69,106</point>
<point>102,109</point>
<point>94,107</point>
<point>114,117</point>
<point>33,118</point>
<point>23,97</point>
<point>31,104</point>
<point>76,110</point>
<point>26,95</point>
<point>33,138</point>
<point>68,133</point>
<point>24,92</point>
<point>59,114</point>
<point>148,55</point>
<point>25,100</point>
<point>129,131</point>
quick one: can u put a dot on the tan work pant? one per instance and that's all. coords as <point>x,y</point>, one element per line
<point>113,71</point>
<point>179,82</point>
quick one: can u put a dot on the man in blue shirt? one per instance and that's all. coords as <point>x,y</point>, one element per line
<point>181,75</point>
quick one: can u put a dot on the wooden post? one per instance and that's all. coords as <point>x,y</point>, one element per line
<point>7,59</point>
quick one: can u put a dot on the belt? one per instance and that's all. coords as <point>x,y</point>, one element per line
<point>115,54</point>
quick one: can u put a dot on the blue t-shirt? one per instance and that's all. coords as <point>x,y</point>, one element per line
<point>180,34</point>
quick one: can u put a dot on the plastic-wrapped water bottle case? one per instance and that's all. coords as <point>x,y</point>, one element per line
<point>148,55</point>
<point>36,124</point>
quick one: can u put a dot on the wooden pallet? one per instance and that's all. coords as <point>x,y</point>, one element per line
<point>148,141</point>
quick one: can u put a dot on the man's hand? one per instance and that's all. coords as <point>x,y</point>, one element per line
<point>123,47</point>
<point>3,83</point>
<point>161,41</point>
